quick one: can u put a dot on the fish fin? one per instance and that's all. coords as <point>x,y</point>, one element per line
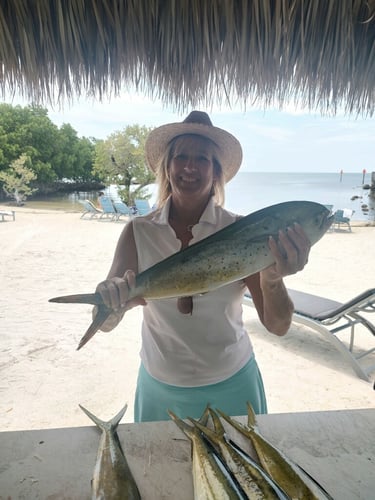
<point>102,424</point>
<point>243,429</point>
<point>186,429</point>
<point>101,316</point>
<point>211,435</point>
<point>204,417</point>
<point>219,428</point>
<point>80,298</point>
<point>117,418</point>
<point>251,418</point>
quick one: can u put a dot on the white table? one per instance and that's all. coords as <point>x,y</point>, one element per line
<point>336,447</point>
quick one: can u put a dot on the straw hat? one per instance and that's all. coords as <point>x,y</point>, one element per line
<point>197,123</point>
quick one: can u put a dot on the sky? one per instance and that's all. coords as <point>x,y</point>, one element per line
<point>291,140</point>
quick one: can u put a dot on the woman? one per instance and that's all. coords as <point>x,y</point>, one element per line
<point>195,350</point>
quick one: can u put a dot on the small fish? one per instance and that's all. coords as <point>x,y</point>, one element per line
<point>282,470</point>
<point>252,479</point>
<point>112,478</point>
<point>229,255</point>
<point>210,481</point>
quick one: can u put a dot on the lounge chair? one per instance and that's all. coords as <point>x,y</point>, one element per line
<point>89,209</point>
<point>121,209</point>
<point>7,213</point>
<point>342,217</point>
<point>142,206</point>
<point>108,210</point>
<point>321,314</point>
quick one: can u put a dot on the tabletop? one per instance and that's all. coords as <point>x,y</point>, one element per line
<point>335,447</point>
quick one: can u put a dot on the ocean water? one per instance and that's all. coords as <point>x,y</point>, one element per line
<point>250,191</point>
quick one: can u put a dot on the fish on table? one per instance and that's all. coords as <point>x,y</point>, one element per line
<point>210,480</point>
<point>112,479</point>
<point>229,255</point>
<point>254,481</point>
<point>295,482</point>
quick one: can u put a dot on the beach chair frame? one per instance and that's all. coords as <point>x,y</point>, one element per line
<point>122,209</point>
<point>329,318</point>
<point>339,220</point>
<point>90,209</point>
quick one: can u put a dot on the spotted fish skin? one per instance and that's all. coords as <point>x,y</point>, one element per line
<point>112,478</point>
<point>282,470</point>
<point>210,482</point>
<point>233,253</point>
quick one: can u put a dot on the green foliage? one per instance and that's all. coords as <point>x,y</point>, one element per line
<point>120,160</point>
<point>55,153</point>
<point>17,179</point>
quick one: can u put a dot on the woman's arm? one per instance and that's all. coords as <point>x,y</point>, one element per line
<point>267,288</point>
<point>120,279</point>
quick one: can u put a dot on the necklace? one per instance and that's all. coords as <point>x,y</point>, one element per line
<point>186,229</point>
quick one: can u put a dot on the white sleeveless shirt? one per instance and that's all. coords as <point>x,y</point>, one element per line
<point>211,344</point>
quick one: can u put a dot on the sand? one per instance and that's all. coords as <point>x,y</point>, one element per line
<point>44,378</point>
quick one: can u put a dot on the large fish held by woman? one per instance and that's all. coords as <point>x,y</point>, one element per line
<point>231,254</point>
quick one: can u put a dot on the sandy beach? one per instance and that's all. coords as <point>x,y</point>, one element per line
<point>44,378</point>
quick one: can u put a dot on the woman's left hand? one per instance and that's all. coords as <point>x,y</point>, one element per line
<point>291,253</point>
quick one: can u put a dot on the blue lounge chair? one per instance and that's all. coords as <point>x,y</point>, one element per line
<point>343,217</point>
<point>319,314</point>
<point>121,209</point>
<point>142,206</point>
<point>89,209</point>
<point>109,210</point>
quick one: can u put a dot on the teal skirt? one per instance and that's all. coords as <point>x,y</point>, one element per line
<point>154,398</point>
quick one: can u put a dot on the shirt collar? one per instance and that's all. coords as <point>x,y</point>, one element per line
<point>161,216</point>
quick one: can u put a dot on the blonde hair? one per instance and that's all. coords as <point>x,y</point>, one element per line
<point>162,174</point>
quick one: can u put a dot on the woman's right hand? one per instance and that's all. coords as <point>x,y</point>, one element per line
<point>115,292</point>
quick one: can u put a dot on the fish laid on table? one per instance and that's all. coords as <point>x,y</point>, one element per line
<point>210,481</point>
<point>282,470</point>
<point>112,478</point>
<point>231,254</point>
<point>256,483</point>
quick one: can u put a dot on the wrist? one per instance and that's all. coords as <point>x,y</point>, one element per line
<point>270,278</point>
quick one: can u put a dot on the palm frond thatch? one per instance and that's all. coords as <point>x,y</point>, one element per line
<point>192,52</point>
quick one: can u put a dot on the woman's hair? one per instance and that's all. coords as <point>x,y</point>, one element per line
<point>162,175</point>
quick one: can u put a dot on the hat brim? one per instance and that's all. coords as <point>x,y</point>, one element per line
<point>229,148</point>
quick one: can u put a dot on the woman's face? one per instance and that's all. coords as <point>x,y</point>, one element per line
<point>191,168</point>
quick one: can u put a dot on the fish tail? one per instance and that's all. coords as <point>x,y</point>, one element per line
<point>188,430</point>
<point>101,316</point>
<point>251,418</point>
<point>212,436</point>
<point>234,423</point>
<point>110,424</point>
<point>219,428</point>
<point>79,298</point>
<point>204,417</point>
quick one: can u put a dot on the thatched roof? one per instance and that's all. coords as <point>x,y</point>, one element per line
<point>191,52</point>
